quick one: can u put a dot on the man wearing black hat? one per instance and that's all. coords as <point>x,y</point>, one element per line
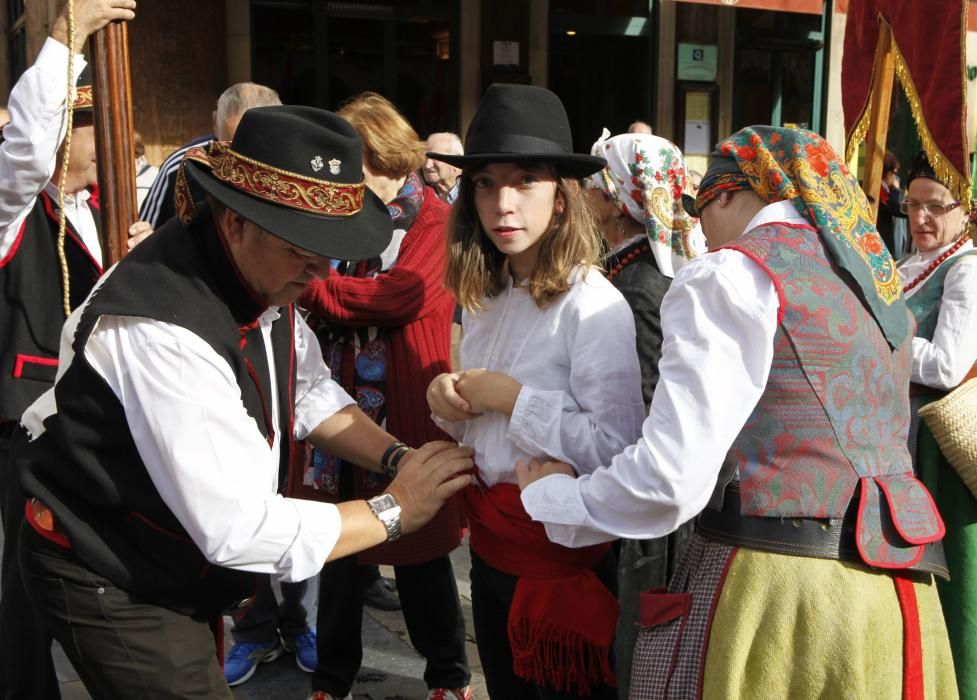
<point>158,471</point>
<point>37,288</point>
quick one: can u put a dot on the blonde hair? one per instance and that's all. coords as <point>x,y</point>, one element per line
<point>476,268</point>
<point>391,146</point>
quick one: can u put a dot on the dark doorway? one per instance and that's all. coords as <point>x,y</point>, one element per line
<point>601,65</point>
<point>322,53</point>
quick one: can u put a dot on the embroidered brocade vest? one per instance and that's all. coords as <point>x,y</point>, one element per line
<point>86,467</point>
<point>832,422</point>
<point>925,303</point>
<point>32,310</point>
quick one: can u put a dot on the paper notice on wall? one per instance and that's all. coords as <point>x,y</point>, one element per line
<point>505,53</point>
<point>697,136</point>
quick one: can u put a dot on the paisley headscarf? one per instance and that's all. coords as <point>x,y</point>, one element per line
<point>799,166</point>
<point>645,178</point>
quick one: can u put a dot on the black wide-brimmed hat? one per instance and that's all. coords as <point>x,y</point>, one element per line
<point>297,173</point>
<point>522,123</point>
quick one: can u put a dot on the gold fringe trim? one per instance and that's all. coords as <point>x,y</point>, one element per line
<point>958,184</point>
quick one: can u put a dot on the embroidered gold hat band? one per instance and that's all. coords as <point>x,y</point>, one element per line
<point>278,186</point>
<point>83,98</point>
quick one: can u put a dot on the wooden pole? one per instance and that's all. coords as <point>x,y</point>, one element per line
<point>878,126</point>
<point>115,149</point>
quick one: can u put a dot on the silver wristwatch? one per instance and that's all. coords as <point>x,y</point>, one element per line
<point>387,510</point>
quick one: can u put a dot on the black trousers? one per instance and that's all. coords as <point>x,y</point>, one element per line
<point>492,592</point>
<point>432,613</point>
<point>121,647</point>
<point>265,618</point>
<point>26,668</point>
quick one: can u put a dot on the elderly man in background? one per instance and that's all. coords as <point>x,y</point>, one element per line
<point>157,207</point>
<point>439,175</point>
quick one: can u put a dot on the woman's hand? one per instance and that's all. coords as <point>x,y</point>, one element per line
<point>530,473</point>
<point>488,391</point>
<point>445,401</point>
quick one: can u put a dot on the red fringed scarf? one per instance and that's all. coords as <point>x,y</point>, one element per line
<point>562,618</point>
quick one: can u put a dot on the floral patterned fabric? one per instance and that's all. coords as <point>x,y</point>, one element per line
<point>800,166</point>
<point>645,177</point>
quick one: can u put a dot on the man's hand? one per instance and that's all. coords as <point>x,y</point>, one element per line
<point>488,391</point>
<point>527,474</point>
<point>138,232</point>
<point>444,400</point>
<point>426,478</point>
<point>90,16</point>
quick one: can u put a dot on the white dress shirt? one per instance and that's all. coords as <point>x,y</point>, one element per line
<point>580,400</point>
<point>211,466</point>
<point>719,318</point>
<point>30,147</point>
<point>943,361</point>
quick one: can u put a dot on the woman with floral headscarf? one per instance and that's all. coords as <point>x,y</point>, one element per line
<point>781,411</point>
<point>638,198</point>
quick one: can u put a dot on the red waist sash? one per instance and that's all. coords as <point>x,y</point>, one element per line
<point>562,618</point>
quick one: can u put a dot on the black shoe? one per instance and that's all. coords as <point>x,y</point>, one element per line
<point>382,595</point>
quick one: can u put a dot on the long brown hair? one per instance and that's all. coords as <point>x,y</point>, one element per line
<point>476,268</point>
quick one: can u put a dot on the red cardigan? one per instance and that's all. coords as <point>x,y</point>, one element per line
<point>411,302</point>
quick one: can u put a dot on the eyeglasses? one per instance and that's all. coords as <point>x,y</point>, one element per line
<point>934,210</point>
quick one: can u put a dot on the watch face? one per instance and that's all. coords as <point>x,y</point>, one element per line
<point>384,502</point>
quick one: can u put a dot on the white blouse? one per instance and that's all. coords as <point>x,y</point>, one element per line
<point>943,361</point>
<point>576,359</point>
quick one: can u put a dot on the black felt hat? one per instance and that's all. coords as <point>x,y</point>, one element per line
<point>522,123</point>
<point>297,173</point>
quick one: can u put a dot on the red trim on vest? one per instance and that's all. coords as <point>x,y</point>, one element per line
<point>912,640</point>
<point>13,249</point>
<point>32,360</point>
<point>264,403</point>
<point>895,521</point>
<point>50,535</point>
<point>712,616</point>
<point>859,531</point>
<point>69,230</point>
<point>773,278</point>
<point>290,396</point>
<point>158,528</point>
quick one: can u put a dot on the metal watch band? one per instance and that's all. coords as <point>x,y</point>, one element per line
<point>387,510</point>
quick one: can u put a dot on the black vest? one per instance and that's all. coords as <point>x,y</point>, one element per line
<point>86,468</point>
<point>33,310</point>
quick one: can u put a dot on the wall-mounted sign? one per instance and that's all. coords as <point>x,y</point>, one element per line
<point>697,62</point>
<point>505,53</point>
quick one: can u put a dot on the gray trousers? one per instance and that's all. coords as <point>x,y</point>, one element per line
<point>121,647</point>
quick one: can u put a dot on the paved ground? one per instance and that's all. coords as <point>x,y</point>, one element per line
<point>392,670</point>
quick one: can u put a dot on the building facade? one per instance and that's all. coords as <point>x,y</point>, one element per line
<point>695,70</point>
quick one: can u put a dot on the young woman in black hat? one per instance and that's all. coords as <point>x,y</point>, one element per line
<point>549,368</point>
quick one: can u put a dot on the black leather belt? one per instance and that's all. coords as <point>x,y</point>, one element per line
<point>822,538</point>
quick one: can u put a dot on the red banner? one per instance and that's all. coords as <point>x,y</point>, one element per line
<point>931,67</point>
